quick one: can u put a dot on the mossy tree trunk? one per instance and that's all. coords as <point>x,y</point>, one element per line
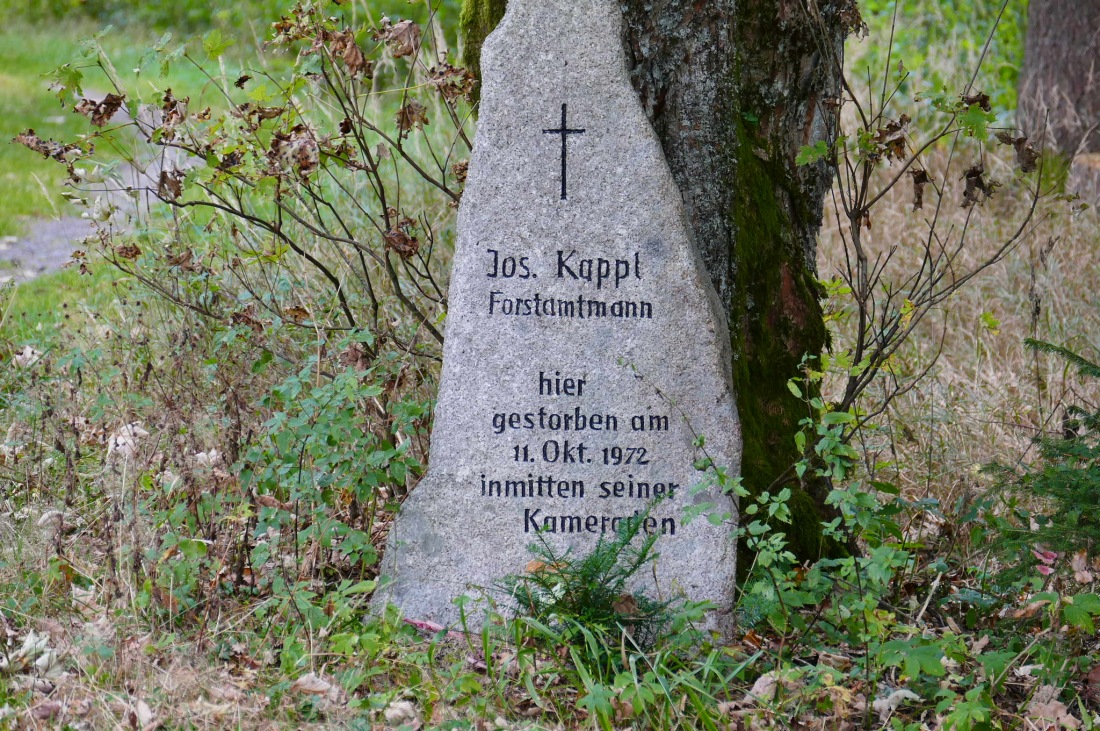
<point>1059,93</point>
<point>735,90</point>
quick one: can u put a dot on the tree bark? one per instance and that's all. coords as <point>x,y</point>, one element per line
<point>1059,91</point>
<point>734,90</point>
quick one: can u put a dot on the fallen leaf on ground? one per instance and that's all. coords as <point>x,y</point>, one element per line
<point>28,357</point>
<point>402,713</point>
<point>1080,565</point>
<point>1047,713</point>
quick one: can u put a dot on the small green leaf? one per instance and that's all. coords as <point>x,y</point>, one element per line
<point>1089,602</point>
<point>838,417</point>
<point>975,121</point>
<point>214,43</point>
<point>887,487</point>
<point>991,323</point>
<point>261,363</point>
<point>810,154</point>
<point>1078,617</point>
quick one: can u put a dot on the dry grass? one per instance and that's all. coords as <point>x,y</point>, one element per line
<point>986,396</point>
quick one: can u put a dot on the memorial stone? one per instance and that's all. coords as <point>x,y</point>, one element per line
<point>585,348</point>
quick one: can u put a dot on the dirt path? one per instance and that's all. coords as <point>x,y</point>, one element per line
<point>45,247</point>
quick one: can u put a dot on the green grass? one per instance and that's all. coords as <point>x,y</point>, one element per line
<point>31,183</point>
<point>35,310</point>
<point>28,55</point>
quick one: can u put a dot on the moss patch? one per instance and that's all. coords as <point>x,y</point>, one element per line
<point>775,318</point>
<point>477,21</point>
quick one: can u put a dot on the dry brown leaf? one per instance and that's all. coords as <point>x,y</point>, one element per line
<point>402,713</point>
<point>626,605</point>
<point>892,137</point>
<point>981,99</point>
<point>1047,713</point>
<point>248,317</point>
<point>311,683</point>
<point>46,710</point>
<point>28,357</point>
<point>461,170</point>
<point>342,45</point>
<point>124,442</point>
<point>100,113</point>
<point>1027,157</point>
<point>920,179</point>
<point>144,713</point>
<point>452,82</point>
<point>885,707</point>
<point>173,109</point>
<point>129,251</point>
<point>402,38</point>
<point>268,501</point>
<point>978,645</point>
<point>184,261</point>
<point>356,357</point>
<point>319,685</point>
<point>170,185</point>
<point>296,314</point>
<point>297,150</point>
<point>400,242</point>
<point>840,662</point>
<point>1080,565</point>
<point>1092,685</point>
<point>413,114</point>
<point>1030,610</point>
<point>978,189</point>
<point>48,148</point>
<point>254,114</point>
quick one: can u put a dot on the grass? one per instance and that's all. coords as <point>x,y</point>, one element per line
<point>63,299</point>
<point>29,52</point>
<point>30,183</point>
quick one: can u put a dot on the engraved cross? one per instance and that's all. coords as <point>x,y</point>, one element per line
<point>564,131</point>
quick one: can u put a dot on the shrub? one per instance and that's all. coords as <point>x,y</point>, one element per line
<point>593,593</point>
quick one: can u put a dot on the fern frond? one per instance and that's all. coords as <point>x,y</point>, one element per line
<point>1084,366</point>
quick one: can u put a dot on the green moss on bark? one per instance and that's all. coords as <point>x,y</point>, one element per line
<point>477,21</point>
<point>775,319</point>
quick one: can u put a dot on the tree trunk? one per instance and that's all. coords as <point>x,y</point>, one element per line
<point>734,90</point>
<point>1059,94</point>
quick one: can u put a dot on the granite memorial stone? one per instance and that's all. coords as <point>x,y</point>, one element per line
<point>585,349</point>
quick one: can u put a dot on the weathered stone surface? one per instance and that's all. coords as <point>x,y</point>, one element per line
<point>585,349</point>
